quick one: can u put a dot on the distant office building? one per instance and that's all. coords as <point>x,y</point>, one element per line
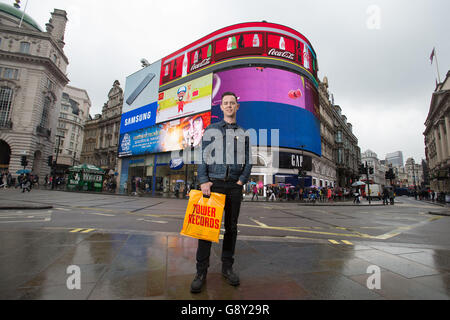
<point>395,158</point>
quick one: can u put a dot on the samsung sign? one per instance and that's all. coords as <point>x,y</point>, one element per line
<point>139,118</point>
<point>176,164</point>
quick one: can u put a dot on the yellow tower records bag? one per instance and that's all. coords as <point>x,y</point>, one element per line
<point>203,216</point>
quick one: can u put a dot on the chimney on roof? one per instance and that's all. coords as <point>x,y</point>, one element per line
<point>56,26</point>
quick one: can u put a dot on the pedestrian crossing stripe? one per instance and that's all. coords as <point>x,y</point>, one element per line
<point>82,230</point>
<point>337,242</point>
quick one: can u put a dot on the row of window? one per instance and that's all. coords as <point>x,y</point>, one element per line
<point>25,49</point>
<point>6,95</point>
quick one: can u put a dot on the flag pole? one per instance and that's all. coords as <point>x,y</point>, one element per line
<point>25,9</point>
<point>437,66</point>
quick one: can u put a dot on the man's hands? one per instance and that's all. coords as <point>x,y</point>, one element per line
<point>206,188</point>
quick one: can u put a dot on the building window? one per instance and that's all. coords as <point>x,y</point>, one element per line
<point>11,73</point>
<point>5,105</point>
<point>340,155</point>
<point>25,47</point>
<point>49,84</point>
<point>339,136</point>
<point>45,112</point>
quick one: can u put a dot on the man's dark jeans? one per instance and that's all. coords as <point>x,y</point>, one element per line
<point>233,193</point>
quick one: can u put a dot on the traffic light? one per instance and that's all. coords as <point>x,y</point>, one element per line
<point>301,173</point>
<point>50,161</point>
<point>23,161</point>
<point>361,169</point>
<point>370,170</point>
<point>17,4</point>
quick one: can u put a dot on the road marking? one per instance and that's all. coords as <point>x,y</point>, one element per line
<point>63,209</point>
<point>26,221</point>
<point>343,241</point>
<point>87,230</point>
<point>399,230</point>
<point>258,222</point>
<point>155,221</point>
<point>100,214</point>
<point>76,230</point>
<point>356,234</point>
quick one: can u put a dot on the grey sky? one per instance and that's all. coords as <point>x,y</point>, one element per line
<point>381,78</point>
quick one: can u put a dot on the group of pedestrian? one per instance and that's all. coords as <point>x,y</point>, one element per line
<point>288,192</point>
<point>388,196</point>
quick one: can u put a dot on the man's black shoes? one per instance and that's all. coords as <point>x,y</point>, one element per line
<point>198,282</point>
<point>232,277</point>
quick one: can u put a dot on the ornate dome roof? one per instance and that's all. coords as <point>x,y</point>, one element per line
<point>18,14</point>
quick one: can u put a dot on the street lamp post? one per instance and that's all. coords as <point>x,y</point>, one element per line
<point>301,172</point>
<point>55,163</point>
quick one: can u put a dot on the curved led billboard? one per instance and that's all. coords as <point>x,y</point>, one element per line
<point>250,42</point>
<point>271,67</point>
<point>271,98</point>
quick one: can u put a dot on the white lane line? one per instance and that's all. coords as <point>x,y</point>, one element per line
<point>100,214</point>
<point>155,221</point>
<point>28,221</point>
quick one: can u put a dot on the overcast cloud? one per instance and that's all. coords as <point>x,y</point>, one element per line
<point>381,78</point>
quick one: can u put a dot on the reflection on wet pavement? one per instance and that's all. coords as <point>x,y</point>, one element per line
<point>161,266</point>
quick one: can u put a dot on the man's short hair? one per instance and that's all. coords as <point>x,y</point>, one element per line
<point>229,93</point>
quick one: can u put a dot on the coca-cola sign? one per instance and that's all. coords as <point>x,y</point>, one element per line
<point>281,54</point>
<point>200,64</point>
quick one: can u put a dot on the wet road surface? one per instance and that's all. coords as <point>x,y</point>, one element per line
<point>130,248</point>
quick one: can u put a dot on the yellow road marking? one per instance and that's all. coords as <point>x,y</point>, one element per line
<point>258,222</point>
<point>76,230</point>
<point>87,230</point>
<point>358,235</point>
<point>347,242</point>
<point>333,241</point>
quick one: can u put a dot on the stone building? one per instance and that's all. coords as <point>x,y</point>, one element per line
<point>101,135</point>
<point>32,77</point>
<point>75,106</point>
<point>437,141</point>
<point>379,169</point>
<point>347,152</point>
<point>325,169</point>
<point>414,173</point>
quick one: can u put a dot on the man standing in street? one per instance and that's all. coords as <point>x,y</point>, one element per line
<point>225,175</point>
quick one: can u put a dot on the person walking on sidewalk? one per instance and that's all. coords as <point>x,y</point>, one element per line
<point>226,177</point>
<point>255,192</point>
<point>385,196</point>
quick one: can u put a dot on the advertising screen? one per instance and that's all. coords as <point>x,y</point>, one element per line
<point>187,99</point>
<point>169,136</point>
<point>141,98</point>
<point>272,99</point>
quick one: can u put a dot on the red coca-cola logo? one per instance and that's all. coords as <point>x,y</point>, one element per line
<point>282,54</point>
<point>200,64</point>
